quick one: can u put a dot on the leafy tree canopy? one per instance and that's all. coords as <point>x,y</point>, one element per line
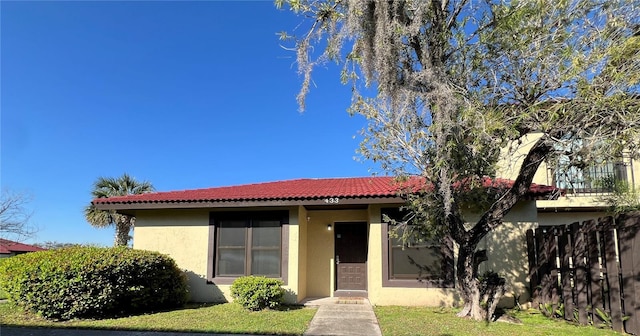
<point>459,82</point>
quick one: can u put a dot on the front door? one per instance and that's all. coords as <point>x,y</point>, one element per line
<point>351,256</point>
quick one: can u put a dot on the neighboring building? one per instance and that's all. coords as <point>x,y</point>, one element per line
<point>322,237</point>
<point>10,248</point>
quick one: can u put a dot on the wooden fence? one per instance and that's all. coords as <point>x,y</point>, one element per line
<point>588,272</point>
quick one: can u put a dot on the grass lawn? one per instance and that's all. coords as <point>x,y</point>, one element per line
<point>3,295</point>
<point>223,318</point>
<point>231,318</point>
<point>434,321</point>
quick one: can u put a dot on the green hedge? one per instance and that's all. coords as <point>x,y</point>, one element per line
<point>257,292</point>
<point>93,282</point>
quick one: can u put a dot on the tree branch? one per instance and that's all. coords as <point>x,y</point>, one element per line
<point>493,217</point>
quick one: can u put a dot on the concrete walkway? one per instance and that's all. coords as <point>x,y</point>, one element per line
<point>343,316</point>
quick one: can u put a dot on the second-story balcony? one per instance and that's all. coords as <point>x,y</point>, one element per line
<point>592,180</point>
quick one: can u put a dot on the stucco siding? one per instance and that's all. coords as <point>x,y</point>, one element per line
<point>561,218</point>
<point>386,296</point>
<point>375,255</point>
<point>507,251</point>
<point>184,236</point>
<point>293,257</point>
<point>512,156</point>
<point>634,171</point>
<point>302,253</point>
<point>506,248</point>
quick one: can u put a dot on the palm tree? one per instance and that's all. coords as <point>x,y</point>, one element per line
<point>108,187</point>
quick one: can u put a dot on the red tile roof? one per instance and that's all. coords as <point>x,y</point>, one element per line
<point>8,246</point>
<point>300,189</point>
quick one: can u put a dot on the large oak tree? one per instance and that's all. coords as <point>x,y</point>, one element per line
<point>456,82</point>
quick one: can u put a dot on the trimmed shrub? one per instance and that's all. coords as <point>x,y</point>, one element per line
<point>93,282</point>
<point>257,292</point>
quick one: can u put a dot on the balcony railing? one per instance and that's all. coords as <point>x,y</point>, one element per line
<point>592,180</point>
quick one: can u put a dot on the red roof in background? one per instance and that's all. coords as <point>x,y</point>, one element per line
<point>8,246</point>
<point>300,189</point>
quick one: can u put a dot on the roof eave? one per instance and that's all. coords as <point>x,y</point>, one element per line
<point>191,204</point>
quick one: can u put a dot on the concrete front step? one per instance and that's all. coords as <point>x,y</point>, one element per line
<point>333,318</point>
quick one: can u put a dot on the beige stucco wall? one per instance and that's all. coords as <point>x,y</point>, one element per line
<point>302,253</point>
<point>386,296</point>
<point>572,202</point>
<point>562,218</point>
<point>506,249</point>
<point>184,235</point>
<point>294,256</point>
<point>635,173</point>
<point>511,158</point>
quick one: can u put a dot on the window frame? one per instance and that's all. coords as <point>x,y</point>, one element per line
<point>249,217</point>
<point>446,248</point>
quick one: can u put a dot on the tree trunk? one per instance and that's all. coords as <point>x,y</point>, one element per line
<point>123,226</point>
<point>494,291</point>
<point>467,269</point>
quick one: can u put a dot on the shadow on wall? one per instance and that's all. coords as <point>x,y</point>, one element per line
<point>201,291</point>
<point>506,250</point>
<point>507,253</point>
<point>290,297</point>
<point>455,303</point>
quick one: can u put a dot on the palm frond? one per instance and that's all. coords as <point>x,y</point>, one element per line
<point>98,218</point>
<point>105,187</point>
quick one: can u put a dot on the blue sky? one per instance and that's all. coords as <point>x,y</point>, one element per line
<point>182,94</point>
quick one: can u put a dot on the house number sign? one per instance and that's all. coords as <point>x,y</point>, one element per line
<point>332,200</point>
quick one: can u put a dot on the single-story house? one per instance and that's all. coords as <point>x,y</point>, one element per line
<point>322,237</point>
<point>10,248</point>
